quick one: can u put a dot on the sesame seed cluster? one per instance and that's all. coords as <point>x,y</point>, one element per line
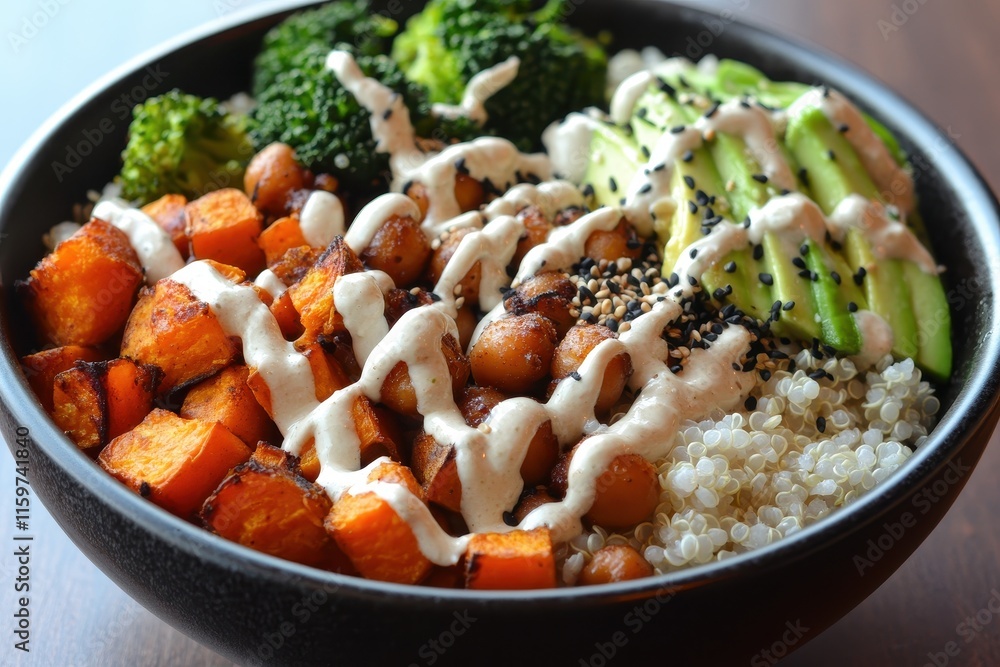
<point>815,435</point>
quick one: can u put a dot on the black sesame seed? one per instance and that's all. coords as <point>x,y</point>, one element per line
<point>730,267</point>
<point>611,323</point>
<point>508,518</point>
<point>676,369</point>
<point>765,374</point>
<point>693,281</point>
<point>460,166</point>
<point>758,252</point>
<point>750,404</point>
<point>660,167</point>
<point>645,152</point>
<point>613,184</point>
<point>673,280</point>
<point>747,222</point>
<point>760,178</point>
<point>852,307</point>
<point>387,114</point>
<point>859,277</point>
<point>688,181</point>
<point>821,424</point>
<point>702,198</point>
<point>843,128</point>
<point>435,296</point>
<point>788,305</point>
<point>818,374</point>
<point>688,156</point>
<point>576,376</point>
<point>835,276</point>
<point>719,294</point>
<point>645,188</point>
<point>798,262</point>
<point>804,249</point>
<point>667,88</point>
<point>830,154</point>
<point>677,129</point>
<point>805,273</point>
<point>767,279</point>
<point>693,253</point>
<point>145,489</point>
<point>692,207</point>
<point>804,176</point>
<point>711,110</point>
<point>588,190</point>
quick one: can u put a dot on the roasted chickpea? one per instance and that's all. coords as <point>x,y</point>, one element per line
<point>574,348</point>
<point>627,493</point>
<point>271,175</point>
<point>530,500</point>
<point>549,294</point>
<point>443,254</point>
<point>536,231</point>
<point>616,562</point>
<point>513,354</point>
<point>543,450</point>
<point>397,390</point>
<point>400,249</point>
<point>614,244</point>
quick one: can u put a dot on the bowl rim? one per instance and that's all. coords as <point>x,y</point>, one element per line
<point>970,410</point>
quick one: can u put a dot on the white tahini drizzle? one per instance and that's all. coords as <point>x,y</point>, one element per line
<point>156,250</point>
<point>321,219</point>
<point>888,238</point>
<point>480,88</point>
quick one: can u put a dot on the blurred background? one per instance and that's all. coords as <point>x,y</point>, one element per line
<point>940,55</point>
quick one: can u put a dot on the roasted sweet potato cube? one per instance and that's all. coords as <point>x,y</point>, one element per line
<point>295,263</point>
<point>266,506</point>
<point>42,368</point>
<point>279,237</point>
<point>82,293</point>
<point>224,226</point>
<point>376,429</point>
<point>287,317</point>
<point>226,398</point>
<point>168,213</point>
<point>313,295</point>
<point>176,463</point>
<point>520,559</point>
<point>171,329</point>
<point>95,402</point>
<point>434,467</point>
<point>380,544</point>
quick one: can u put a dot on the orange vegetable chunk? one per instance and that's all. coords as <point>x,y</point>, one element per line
<point>95,402</point>
<point>82,293</point>
<point>224,226</point>
<point>379,543</point>
<point>313,295</point>
<point>176,463</point>
<point>519,559</point>
<point>169,213</point>
<point>226,398</point>
<point>280,237</point>
<point>170,328</point>
<point>42,368</point>
<point>266,505</point>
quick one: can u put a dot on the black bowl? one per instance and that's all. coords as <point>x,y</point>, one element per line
<point>257,609</point>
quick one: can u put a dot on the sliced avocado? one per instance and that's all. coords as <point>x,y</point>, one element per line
<point>837,324</point>
<point>933,317</point>
<point>614,159</point>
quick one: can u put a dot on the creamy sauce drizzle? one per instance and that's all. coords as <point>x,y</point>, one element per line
<point>888,238</point>
<point>488,461</point>
<point>156,250</point>
<point>480,88</point>
<point>321,219</point>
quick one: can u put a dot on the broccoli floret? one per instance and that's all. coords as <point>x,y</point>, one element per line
<point>185,144</point>
<point>452,40</point>
<point>309,109</point>
<point>351,22</point>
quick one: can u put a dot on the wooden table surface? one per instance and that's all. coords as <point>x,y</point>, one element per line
<point>940,55</point>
